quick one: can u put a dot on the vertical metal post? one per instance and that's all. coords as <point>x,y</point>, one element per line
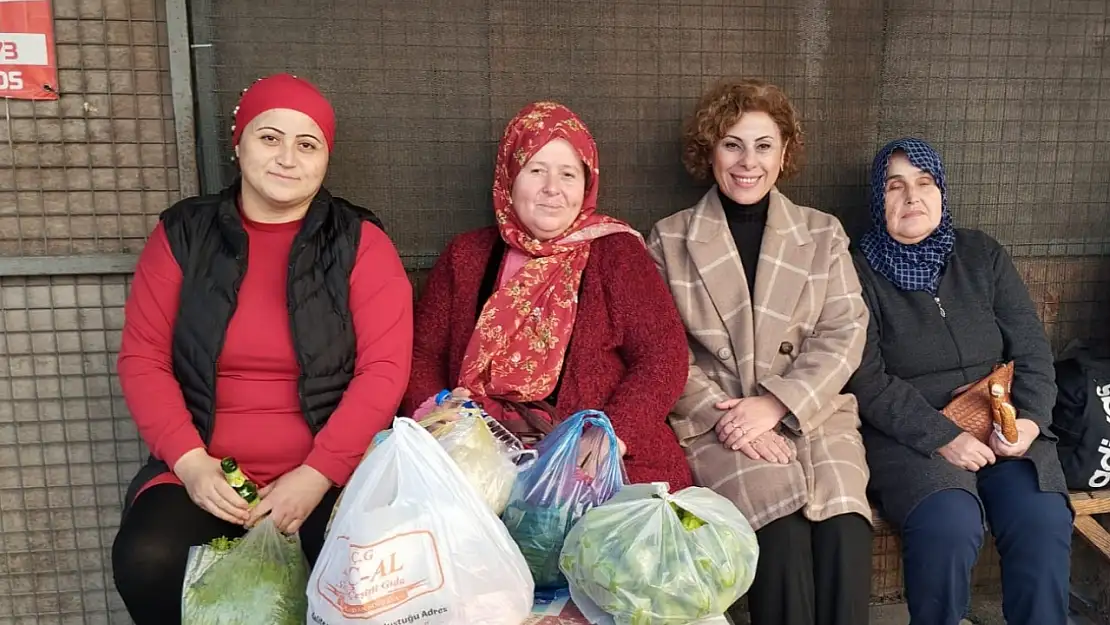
<point>210,157</point>
<point>181,84</point>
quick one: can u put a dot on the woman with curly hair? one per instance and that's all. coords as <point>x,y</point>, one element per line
<point>776,326</point>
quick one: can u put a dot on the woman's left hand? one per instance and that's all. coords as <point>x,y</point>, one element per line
<point>291,498</point>
<point>748,418</point>
<point>1028,431</point>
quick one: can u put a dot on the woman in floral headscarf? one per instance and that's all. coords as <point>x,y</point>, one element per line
<point>947,305</point>
<point>556,309</point>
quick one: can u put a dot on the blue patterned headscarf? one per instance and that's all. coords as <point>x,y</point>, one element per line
<point>916,267</point>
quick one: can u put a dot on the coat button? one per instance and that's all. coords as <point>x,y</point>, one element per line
<point>724,353</point>
<point>786,348</point>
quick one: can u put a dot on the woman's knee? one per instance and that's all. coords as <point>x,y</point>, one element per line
<point>152,546</point>
<point>851,523</point>
<point>142,558</point>
<point>1044,519</point>
<point>849,532</point>
<point>950,519</point>
<point>1050,515</point>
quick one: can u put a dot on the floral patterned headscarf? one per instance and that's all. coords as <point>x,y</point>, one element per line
<point>520,340</point>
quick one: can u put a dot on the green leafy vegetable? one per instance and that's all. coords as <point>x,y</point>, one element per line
<point>538,532</point>
<point>689,520</point>
<point>224,544</point>
<point>259,578</point>
<point>655,561</point>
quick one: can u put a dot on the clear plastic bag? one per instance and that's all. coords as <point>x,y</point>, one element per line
<point>554,491</point>
<point>413,542</point>
<point>649,558</point>
<point>489,464</point>
<point>258,579</point>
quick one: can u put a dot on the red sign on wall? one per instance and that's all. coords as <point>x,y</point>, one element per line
<point>28,65</point>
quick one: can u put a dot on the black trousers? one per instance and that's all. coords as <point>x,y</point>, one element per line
<point>812,573</point>
<point>152,548</point>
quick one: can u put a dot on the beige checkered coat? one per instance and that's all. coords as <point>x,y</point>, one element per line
<point>800,340</point>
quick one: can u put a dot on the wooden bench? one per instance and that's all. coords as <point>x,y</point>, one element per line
<point>1087,507</point>
<point>886,578</point>
<point>886,563</point>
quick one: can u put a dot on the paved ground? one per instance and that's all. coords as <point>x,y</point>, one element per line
<point>896,615</point>
<point>985,611</point>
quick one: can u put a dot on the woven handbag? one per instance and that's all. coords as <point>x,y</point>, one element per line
<point>987,405</point>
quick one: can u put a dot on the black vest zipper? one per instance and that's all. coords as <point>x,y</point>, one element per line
<point>294,255</point>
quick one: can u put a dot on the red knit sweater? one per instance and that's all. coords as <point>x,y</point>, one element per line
<point>627,355</point>
<point>258,415</point>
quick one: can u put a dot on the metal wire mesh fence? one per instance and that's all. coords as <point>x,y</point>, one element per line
<point>1012,92</point>
<point>66,446</point>
<point>88,172</point>
<point>1016,96</point>
<point>1015,93</point>
<point>423,91</point>
<point>83,175</point>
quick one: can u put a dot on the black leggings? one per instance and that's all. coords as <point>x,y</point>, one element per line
<point>152,548</point>
<point>812,573</point>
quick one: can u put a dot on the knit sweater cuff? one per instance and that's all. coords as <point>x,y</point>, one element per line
<point>183,442</point>
<point>329,466</point>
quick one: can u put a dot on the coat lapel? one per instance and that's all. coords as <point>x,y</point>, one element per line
<point>714,254</point>
<point>785,256</point>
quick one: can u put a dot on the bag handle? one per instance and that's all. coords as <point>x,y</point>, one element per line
<point>527,412</point>
<point>599,420</point>
<point>521,457</point>
<point>412,443</point>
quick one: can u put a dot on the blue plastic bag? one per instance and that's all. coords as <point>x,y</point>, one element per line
<point>554,492</point>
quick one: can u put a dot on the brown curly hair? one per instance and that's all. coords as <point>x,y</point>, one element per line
<point>721,107</point>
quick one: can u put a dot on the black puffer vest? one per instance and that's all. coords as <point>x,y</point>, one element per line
<point>209,242</point>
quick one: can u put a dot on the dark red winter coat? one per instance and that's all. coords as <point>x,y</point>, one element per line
<point>627,354</point>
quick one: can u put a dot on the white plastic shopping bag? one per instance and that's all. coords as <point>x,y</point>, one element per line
<point>646,557</point>
<point>413,542</point>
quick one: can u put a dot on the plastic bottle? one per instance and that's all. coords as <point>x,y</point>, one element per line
<point>446,400</point>
<point>467,407</point>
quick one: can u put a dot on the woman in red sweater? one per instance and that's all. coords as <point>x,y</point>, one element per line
<point>556,309</point>
<point>271,323</point>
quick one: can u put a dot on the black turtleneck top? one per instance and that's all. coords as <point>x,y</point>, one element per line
<point>746,223</point>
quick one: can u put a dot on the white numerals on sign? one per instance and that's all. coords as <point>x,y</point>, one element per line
<point>11,81</point>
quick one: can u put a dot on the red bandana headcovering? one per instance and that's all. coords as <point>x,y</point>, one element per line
<point>284,91</point>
